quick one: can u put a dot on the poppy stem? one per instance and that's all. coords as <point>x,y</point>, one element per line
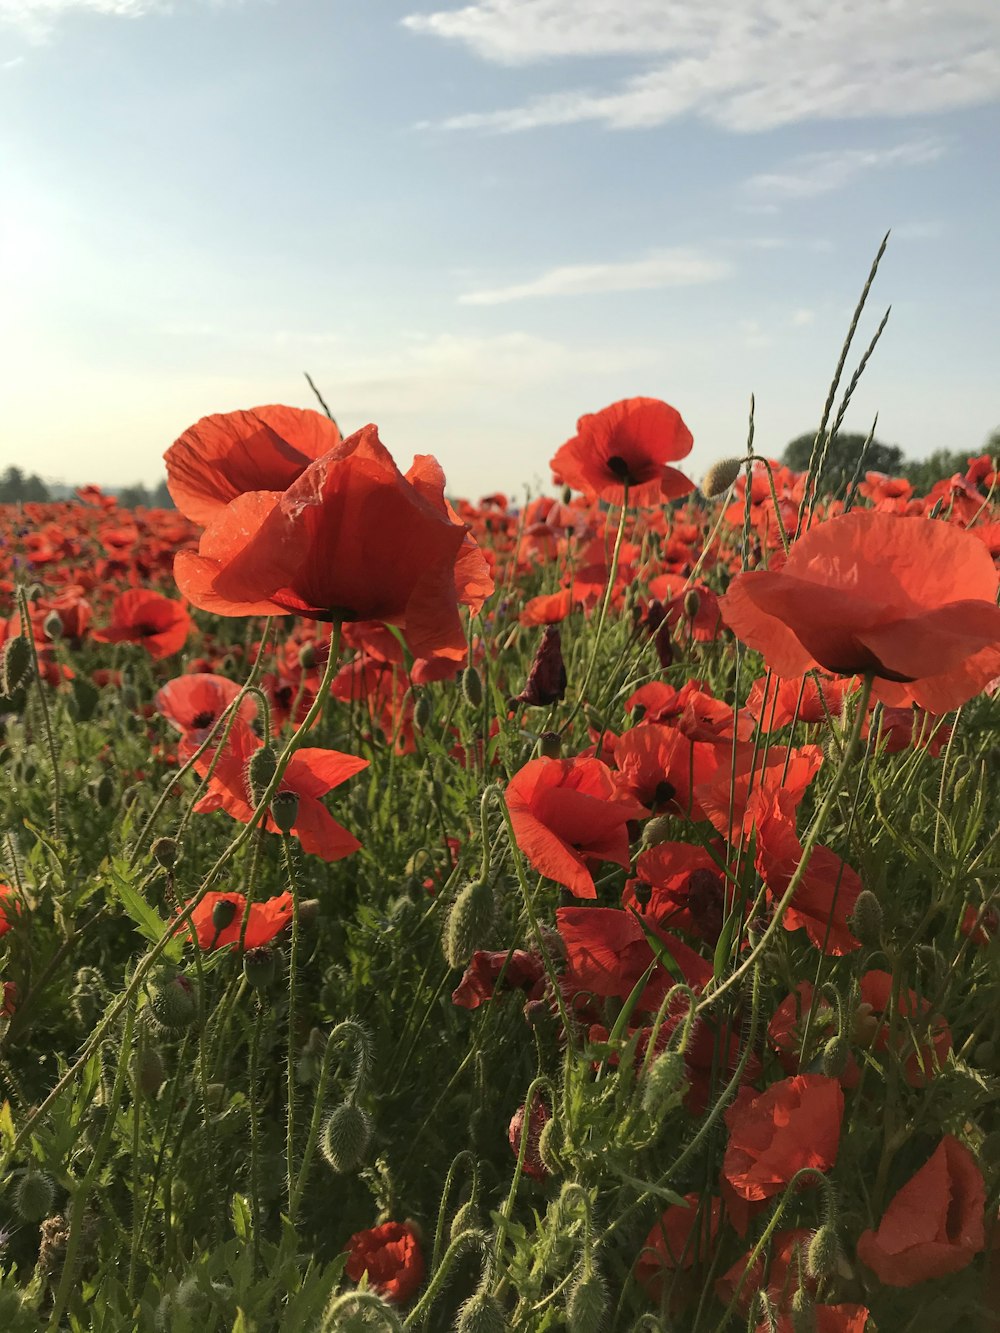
<point>29,633</point>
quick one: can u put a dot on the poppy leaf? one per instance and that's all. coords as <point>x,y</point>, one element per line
<point>662,953</point>
<point>724,947</point>
<point>147,920</point>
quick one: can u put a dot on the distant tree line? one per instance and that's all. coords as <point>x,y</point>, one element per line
<point>844,455</point>
<point>16,487</point>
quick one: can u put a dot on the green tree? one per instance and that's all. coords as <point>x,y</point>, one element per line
<point>922,473</point>
<point>842,459</point>
<point>15,487</point>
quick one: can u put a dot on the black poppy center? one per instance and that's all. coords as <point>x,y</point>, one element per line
<point>620,468</point>
<point>664,793</point>
<point>204,719</point>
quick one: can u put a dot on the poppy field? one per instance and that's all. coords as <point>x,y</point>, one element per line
<point>429,914</point>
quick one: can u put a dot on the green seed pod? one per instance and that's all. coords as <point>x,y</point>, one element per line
<point>566,494</point>
<point>259,968</point>
<point>16,665</point>
<point>261,769</point>
<point>657,830</point>
<point>423,711</point>
<point>307,656</point>
<point>469,922</point>
<point>692,603</point>
<point>835,1054</point>
<point>466,1219</point>
<point>664,1084</point>
<point>550,745</point>
<point>104,792</point>
<point>164,852</point>
<point>345,1136</point>
<point>285,810</point>
<point>223,914</point>
<point>720,476</point>
<point>481,1313</point>
<point>824,1255</point>
<point>174,1004</point>
<point>34,1195</point>
<point>866,920</point>
<point>587,1304</point>
<point>472,687</point>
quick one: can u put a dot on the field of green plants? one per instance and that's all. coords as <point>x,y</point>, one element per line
<point>573,914</point>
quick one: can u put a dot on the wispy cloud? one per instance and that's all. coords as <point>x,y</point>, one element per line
<point>37,18</point>
<point>821,173</point>
<point>744,64</point>
<point>670,268</point>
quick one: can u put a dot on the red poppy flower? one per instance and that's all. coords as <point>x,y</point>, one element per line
<point>265,920</point>
<point>9,999</point>
<point>827,1319</point>
<point>521,971</point>
<point>661,767</point>
<point>934,1225</point>
<point>792,1124</point>
<point>607,952</point>
<point>10,905</point>
<point>628,444</point>
<point>922,1039</point>
<point>310,774</point>
<point>140,616</point>
<point>685,1233</point>
<point>687,890</point>
<point>549,609</point>
<point>566,812</point>
<point>263,449</point>
<point>533,1165</point>
<point>910,600</point>
<point>392,1258</point>
<point>350,539</point>
<point>194,703</point>
<point>782,1264</point>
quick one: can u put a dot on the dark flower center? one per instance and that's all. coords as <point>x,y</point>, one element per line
<point>620,468</point>
<point>664,793</point>
<point>204,719</point>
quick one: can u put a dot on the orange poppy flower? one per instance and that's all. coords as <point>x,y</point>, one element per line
<point>391,1256</point>
<point>934,1225</point>
<point>628,444</point>
<point>350,539</point>
<point>265,920</point>
<point>140,616</point>
<point>910,600</point>
<point>792,1124</point>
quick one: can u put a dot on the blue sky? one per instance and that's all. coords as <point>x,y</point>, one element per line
<point>472,223</point>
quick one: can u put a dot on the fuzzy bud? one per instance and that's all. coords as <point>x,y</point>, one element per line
<point>259,967</point>
<point>148,1070</point>
<point>834,1059</point>
<point>550,1141</point>
<point>465,1219</point>
<point>261,769</point>
<point>285,810</point>
<point>469,921</point>
<point>659,829</point>
<point>423,711</point>
<point>34,1195</point>
<point>175,1004</point>
<point>307,656</point>
<point>664,1085</point>
<point>824,1255</point>
<point>15,664</point>
<point>481,1313</point>
<point>720,476</point>
<point>587,1305</point>
<point>803,1312</point>
<point>345,1137</point>
<point>866,920</point>
<point>164,852</point>
<point>472,687</point>
<point>692,603</point>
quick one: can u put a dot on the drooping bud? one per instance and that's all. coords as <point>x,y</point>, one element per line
<point>15,665</point>
<point>261,769</point>
<point>34,1195</point>
<point>345,1137</point>
<point>148,1069</point>
<point>285,810</point>
<point>550,1141</point>
<point>824,1255</point>
<point>466,1219</point>
<point>664,1085</point>
<point>546,683</point>
<point>803,1312</point>
<point>423,711</point>
<point>657,830</point>
<point>720,476</point>
<point>259,967</point>
<point>164,852</point>
<point>472,687</point>
<point>469,922</point>
<point>174,1004</point>
<point>866,919</point>
<point>587,1305</point>
<point>835,1054</point>
<point>481,1313</point>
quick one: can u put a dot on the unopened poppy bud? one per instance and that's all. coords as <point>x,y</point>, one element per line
<point>308,911</point>
<point>164,852</point>
<point>148,1070</point>
<point>803,1312</point>
<point>664,1084</point>
<point>550,1141</point>
<point>472,687</point>
<point>261,769</point>
<point>692,603</point>
<point>835,1053</point>
<point>259,967</point>
<point>53,626</point>
<point>34,1195</point>
<point>105,790</point>
<point>566,494</point>
<point>824,1255</point>
<point>307,656</point>
<point>866,1025</point>
<point>985,1054</point>
<point>481,1313</point>
<point>468,924</point>
<point>423,711</point>
<point>175,1004</point>
<point>15,664</point>
<point>550,745</point>
<point>345,1137</point>
<point>223,914</point>
<point>465,1219</point>
<point>657,830</point>
<point>720,476</point>
<point>866,919</point>
<point>587,1304</point>
<point>285,810</point>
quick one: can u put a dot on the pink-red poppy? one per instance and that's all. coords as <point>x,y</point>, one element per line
<point>264,920</point>
<point>392,1257</point>
<point>627,445</point>
<point>192,704</point>
<point>160,624</point>
<point>912,601</point>
<point>794,1123</point>
<point>684,1236</point>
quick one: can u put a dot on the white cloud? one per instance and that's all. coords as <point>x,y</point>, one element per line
<point>37,18</point>
<point>743,64</point>
<point>820,173</point>
<point>671,268</point>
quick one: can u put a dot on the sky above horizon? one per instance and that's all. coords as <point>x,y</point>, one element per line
<point>473,222</point>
